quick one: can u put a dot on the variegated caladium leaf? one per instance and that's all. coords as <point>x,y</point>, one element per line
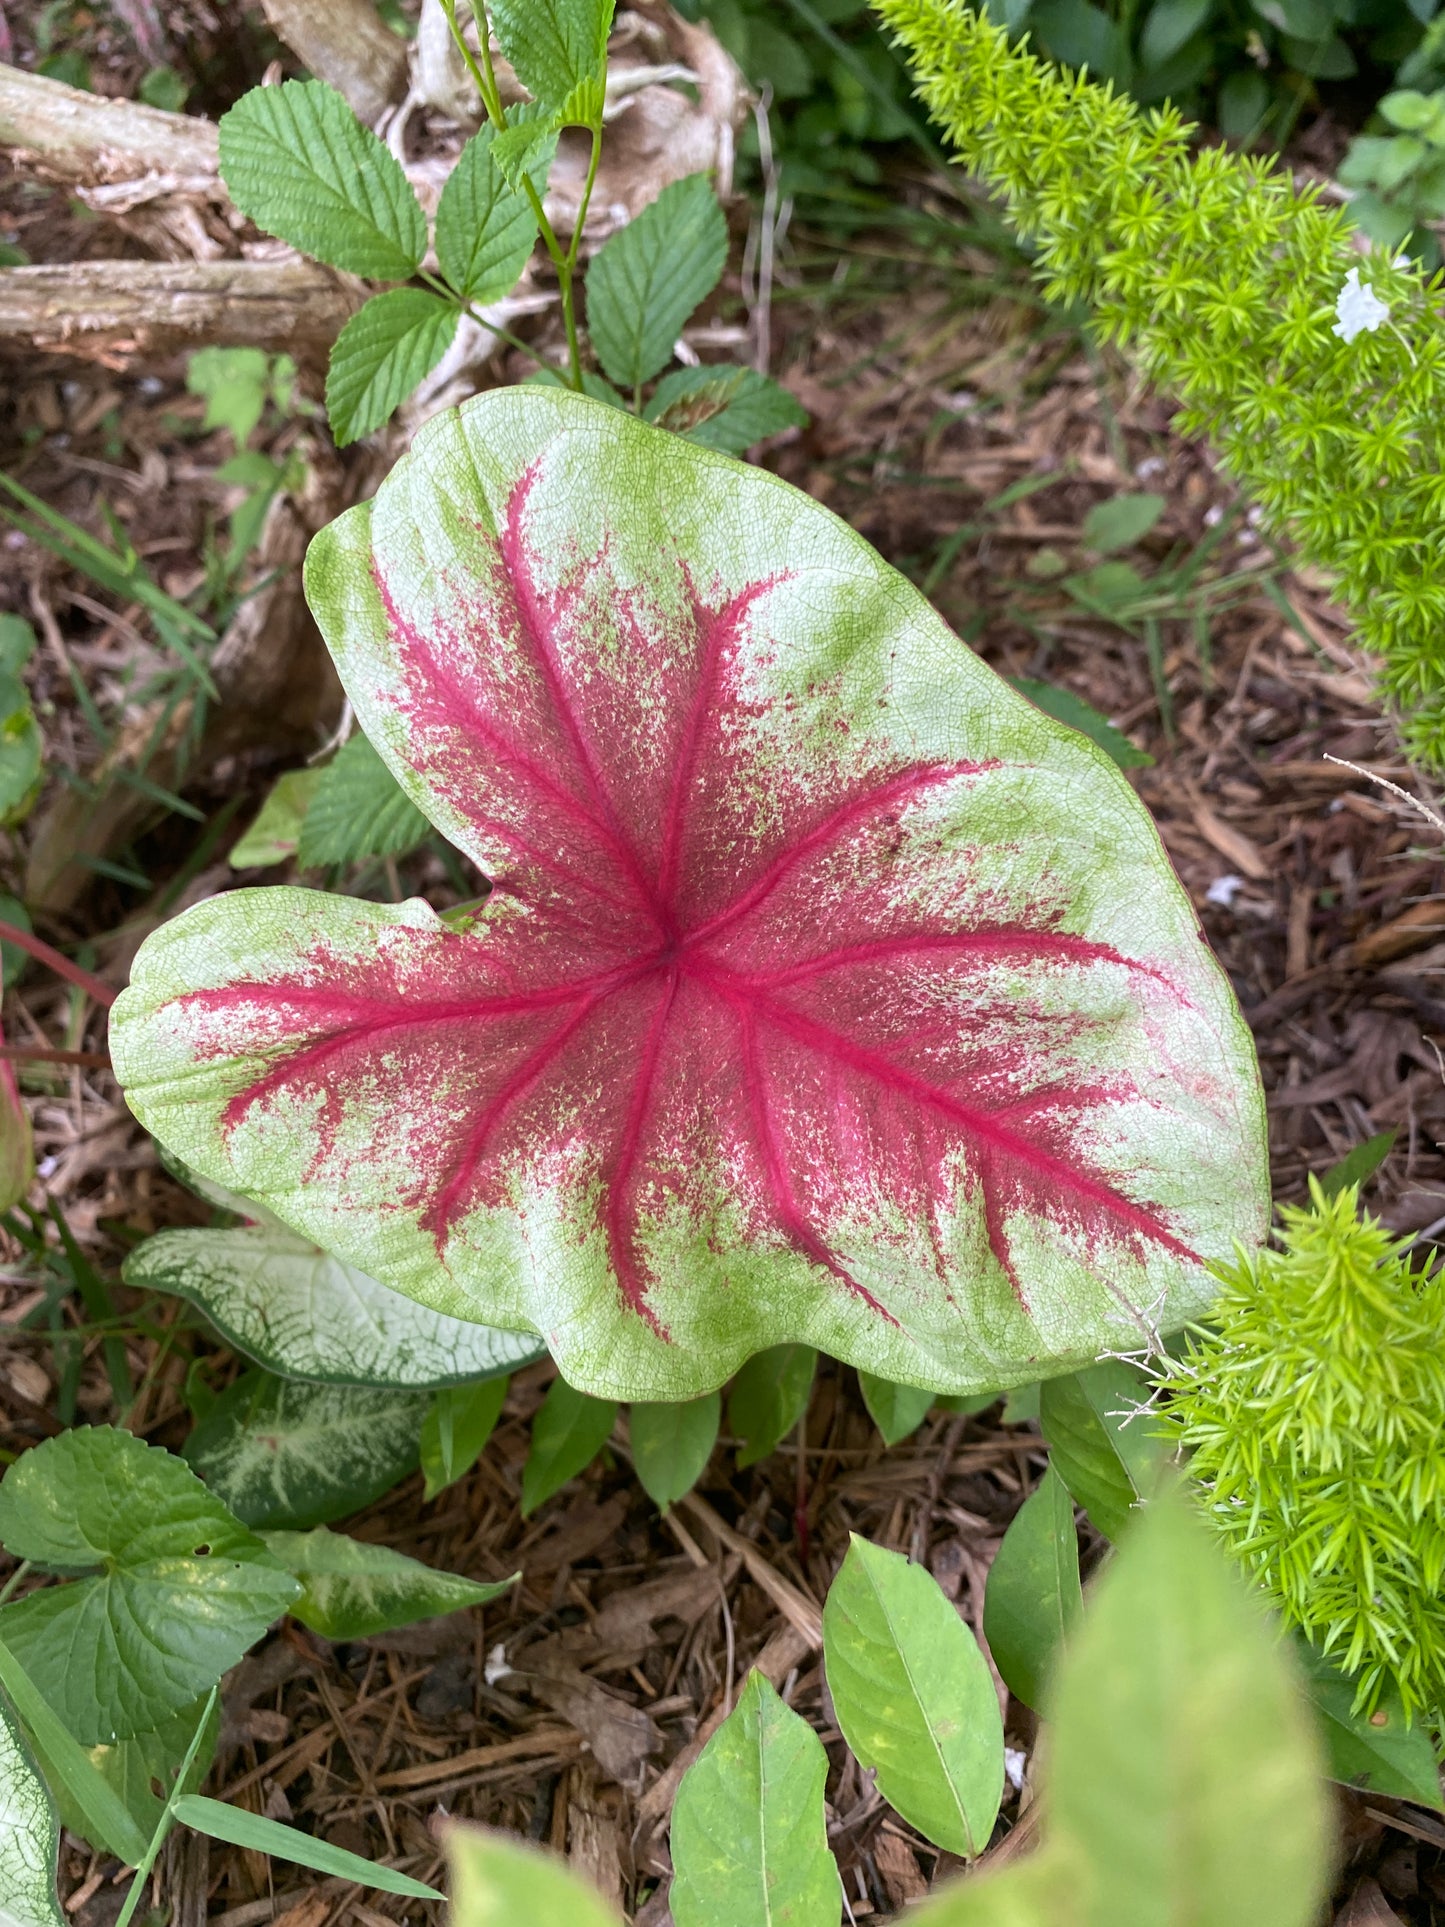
<point>827,992</point>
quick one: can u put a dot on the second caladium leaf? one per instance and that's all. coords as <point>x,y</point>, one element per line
<point>827,992</point>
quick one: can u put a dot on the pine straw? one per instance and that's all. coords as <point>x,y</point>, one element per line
<point>568,1710</point>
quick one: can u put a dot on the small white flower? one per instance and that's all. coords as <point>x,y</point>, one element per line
<point>1223,891</point>
<point>1014,1763</point>
<point>496,1667</point>
<point>1358,308</point>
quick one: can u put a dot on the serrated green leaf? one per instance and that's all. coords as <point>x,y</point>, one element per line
<point>486,230</point>
<point>235,383</point>
<point>380,356</point>
<point>241,1829</point>
<point>1033,1596</point>
<point>1185,1775</point>
<point>647,278</point>
<point>570,1429</point>
<point>301,1313</point>
<point>749,1841</point>
<point>897,1410</point>
<point>726,408</point>
<point>275,835</point>
<point>525,147</point>
<point>351,1589</point>
<point>134,1768</point>
<point>286,1455</point>
<point>1360,1163</point>
<point>1065,707</point>
<point>1101,1442</point>
<point>459,1421</point>
<point>498,1882</point>
<point>559,51</point>
<point>768,1397</point>
<point>1121,522</point>
<point>298,161</point>
<point>1379,1752</point>
<point>914,1697</point>
<point>359,810</point>
<point>175,1592</point>
<point>29,1836</point>
<point>671,1445</point>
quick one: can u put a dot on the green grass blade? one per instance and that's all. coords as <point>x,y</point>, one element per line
<point>240,1829</point>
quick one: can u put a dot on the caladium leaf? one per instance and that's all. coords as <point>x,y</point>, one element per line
<point>828,992</point>
<point>29,1836</point>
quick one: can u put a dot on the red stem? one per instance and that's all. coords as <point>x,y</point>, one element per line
<point>62,966</point>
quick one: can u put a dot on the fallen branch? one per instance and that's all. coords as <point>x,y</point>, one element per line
<point>84,140</point>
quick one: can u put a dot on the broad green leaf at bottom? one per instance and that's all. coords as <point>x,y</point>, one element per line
<point>498,1882</point>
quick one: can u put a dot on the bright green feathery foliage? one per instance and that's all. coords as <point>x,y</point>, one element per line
<point>1221,277</point>
<point>1315,1411</point>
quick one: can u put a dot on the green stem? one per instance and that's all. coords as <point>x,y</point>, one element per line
<point>163,1825</point>
<point>14,1580</point>
<point>458,301</point>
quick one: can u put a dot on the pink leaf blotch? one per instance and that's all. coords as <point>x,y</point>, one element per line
<point>825,990</point>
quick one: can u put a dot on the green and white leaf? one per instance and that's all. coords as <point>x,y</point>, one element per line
<point>570,1429</point>
<point>351,1589</point>
<point>303,1314</point>
<point>559,51</point>
<point>498,1882</point>
<point>672,1443</point>
<point>485,229</point>
<point>291,1456</point>
<point>454,1433</point>
<point>29,1836</point>
<point>1101,1441</point>
<point>275,835</point>
<point>1033,1596</point>
<point>897,1410</point>
<point>749,1840</point>
<point>647,278</point>
<point>175,1589</point>
<point>380,356</point>
<point>726,408</point>
<point>299,162</point>
<point>914,1697</point>
<point>359,810</point>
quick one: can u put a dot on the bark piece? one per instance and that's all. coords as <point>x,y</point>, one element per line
<point>83,139</point>
<point>345,44</point>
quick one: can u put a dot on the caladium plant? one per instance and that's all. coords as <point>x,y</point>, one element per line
<point>825,991</point>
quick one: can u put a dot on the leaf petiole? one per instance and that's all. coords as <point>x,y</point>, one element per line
<point>163,1825</point>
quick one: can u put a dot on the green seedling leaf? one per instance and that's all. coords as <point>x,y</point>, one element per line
<point>726,408</point>
<point>1359,1164</point>
<point>768,1398</point>
<point>608,666</point>
<point>134,1769</point>
<point>236,383</point>
<point>359,810</point>
<point>301,165</point>
<point>290,1456</point>
<point>1379,1752</point>
<point>458,1423</point>
<point>29,1836</point>
<point>570,1429</point>
<point>498,1882</point>
<point>749,1841</point>
<point>914,1697</point>
<point>646,280</point>
<point>353,1590</point>
<point>275,836</point>
<point>559,51</point>
<point>175,1592</point>
<point>380,356</point>
<point>486,230</point>
<point>1065,707</point>
<point>671,1445</point>
<point>1186,1777</point>
<point>241,1829</point>
<point>1101,1441</point>
<point>301,1313</point>
<point>524,149</point>
<point>897,1410</point>
<point>1033,1595</point>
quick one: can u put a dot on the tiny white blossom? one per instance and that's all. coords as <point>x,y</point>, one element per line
<point>1224,890</point>
<point>1359,308</point>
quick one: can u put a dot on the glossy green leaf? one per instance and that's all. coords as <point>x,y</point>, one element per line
<point>1033,1595</point>
<point>496,1881</point>
<point>1360,1163</point>
<point>726,408</point>
<point>103,1813</point>
<point>380,356</point>
<point>352,1589</point>
<point>359,810</point>
<point>301,1313</point>
<point>897,1410</point>
<point>1168,25</point>
<point>174,1593</point>
<point>136,1767</point>
<point>671,1445</point>
<point>768,1398</point>
<point>1185,1772</point>
<point>485,230</point>
<point>570,1429</point>
<point>275,835</point>
<point>454,1433</point>
<point>1379,1752</point>
<point>241,1829</point>
<point>29,1836</point>
<point>749,1842</point>
<point>914,1697</point>
<point>1065,707</point>
<point>299,162</point>
<point>647,278</point>
<point>1101,1440</point>
<point>559,51</point>
<point>291,1456</point>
